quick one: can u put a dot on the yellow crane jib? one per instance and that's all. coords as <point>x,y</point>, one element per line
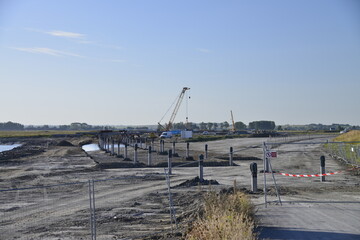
<point>177,106</point>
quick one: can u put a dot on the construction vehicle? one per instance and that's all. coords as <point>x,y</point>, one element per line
<point>168,126</point>
<point>233,129</point>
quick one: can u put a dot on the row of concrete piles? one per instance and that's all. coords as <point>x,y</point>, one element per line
<point>108,141</point>
<point>124,140</point>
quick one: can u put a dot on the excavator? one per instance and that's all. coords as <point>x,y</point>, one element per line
<point>166,129</point>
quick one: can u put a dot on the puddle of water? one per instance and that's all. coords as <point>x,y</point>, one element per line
<point>90,147</point>
<point>95,147</point>
<point>4,148</point>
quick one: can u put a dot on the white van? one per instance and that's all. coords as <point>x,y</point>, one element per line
<point>166,135</point>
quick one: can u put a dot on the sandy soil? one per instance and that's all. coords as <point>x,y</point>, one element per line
<point>133,203</point>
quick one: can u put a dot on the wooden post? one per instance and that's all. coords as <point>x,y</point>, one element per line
<point>173,148</point>
<point>231,156</point>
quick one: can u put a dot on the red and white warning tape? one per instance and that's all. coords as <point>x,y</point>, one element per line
<point>309,175</point>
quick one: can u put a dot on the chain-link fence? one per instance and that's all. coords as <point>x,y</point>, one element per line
<point>44,212</point>
<point>350,153</point>
<point>129,207</point>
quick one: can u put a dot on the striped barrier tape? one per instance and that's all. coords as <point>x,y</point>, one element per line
<point>317,175</point>
<point>309,175</point>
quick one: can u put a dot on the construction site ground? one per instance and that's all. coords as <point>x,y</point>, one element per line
<point>132,199</point>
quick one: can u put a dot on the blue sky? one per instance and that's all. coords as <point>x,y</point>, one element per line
<point>125,61</point>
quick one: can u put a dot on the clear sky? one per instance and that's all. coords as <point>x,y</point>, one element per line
<point>125,61</point>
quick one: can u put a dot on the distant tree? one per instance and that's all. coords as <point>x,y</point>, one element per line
<point>193,126</point>
<point>202,126</point>
<point>226,125</point>
<point>279,128</point>
<point>216,125</point>
<point>262,125</point>
<point>340,128</point>
<point>240,126</point>
<point>11,126</point>
<point>180,126</point>
<point>64,127</point>
<point>210,125</point>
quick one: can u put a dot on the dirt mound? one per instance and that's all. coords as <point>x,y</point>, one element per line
<point>22,151</point>
<point>64,143</point>
<point>196,182</point>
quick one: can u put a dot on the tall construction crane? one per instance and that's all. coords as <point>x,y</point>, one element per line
<point>233,129</point>
<point>173,115</point>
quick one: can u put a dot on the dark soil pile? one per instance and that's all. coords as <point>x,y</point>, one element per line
<point>22,151</point>
<point>196,182</point>
<point>64,143</point>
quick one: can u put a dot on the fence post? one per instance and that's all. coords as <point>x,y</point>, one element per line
<point>135,153</point>
<point>253,169</point>
<point>231,157</point>
<point>206,151</point>
<point>266,160</point>
<point>322,168</point>
<point>169,161</point>
<point>201,167</point>
<point>149,156</point>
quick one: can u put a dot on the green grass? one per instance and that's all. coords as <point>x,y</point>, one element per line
<point>225,216</point>
<point>40,133</point>
<point>347,149</point>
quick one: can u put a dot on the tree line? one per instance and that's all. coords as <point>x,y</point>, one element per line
<point>225,126</point>
<point>76,126</point>
<point>202,126</point>
<point>208,126</point>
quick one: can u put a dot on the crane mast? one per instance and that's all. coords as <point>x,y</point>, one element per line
<point>177,106</point>
<point>233,122</point>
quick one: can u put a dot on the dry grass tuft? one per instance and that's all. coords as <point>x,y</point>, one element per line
<point>229,217</point>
